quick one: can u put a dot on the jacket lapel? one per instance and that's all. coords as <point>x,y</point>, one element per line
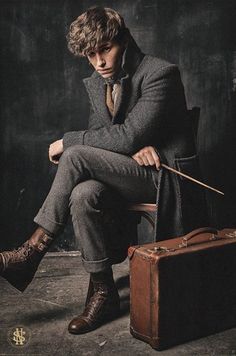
<point>121,106</point>
<point>96,89</point>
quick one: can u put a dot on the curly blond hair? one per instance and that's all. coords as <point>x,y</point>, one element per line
<point>94,27</point>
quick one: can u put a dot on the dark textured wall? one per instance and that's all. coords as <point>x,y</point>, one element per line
<point>42,95</point>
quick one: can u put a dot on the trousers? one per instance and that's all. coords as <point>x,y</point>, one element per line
<point>88,182</point>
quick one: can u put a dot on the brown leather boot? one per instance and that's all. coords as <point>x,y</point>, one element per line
<point>103,305</point>
<point>18,266</point>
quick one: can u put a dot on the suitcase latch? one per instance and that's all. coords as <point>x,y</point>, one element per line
<point>157,249</point>
<point>231,234</point>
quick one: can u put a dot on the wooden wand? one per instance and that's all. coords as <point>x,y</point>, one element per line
<point>190,178</point>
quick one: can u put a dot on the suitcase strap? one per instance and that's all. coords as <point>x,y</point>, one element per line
<point>185,240</point>
<point>215,235</point>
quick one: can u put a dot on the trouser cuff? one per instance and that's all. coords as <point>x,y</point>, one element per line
<point>96,266</point>
<point>46,223</point>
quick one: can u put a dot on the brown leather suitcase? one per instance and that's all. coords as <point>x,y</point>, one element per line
<point>184,288</point>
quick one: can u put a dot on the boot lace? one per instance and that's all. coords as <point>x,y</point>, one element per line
<point>17,255</point>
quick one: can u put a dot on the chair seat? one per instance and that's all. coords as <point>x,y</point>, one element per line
<point>142,207</point>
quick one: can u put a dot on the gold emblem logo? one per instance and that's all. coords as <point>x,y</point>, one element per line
<point>18,336</point>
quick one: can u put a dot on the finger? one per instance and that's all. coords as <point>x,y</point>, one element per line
<point>138,160</point>
<point>51,152</point>
<point>144,159</point>
<point>156,159</point>
<point>150,159</point>
<point>51,158</point>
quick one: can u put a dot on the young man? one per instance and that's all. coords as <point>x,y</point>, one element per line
<point>138,117</point>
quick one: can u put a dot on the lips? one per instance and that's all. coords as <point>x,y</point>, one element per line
<point>104,71</point>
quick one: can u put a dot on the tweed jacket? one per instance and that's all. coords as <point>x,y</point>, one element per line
<point>151,111</point>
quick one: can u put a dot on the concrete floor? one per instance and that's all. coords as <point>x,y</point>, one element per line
<point>57,294</point>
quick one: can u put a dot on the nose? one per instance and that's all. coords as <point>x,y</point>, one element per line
<point>100,60</point>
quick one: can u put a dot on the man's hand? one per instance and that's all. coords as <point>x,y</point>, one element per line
<point>147,156</point>
<point>55,150</point>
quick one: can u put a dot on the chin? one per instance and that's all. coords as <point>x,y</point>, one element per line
<point>107,75</point>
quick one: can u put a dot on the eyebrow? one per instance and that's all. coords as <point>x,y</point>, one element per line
<point>107,44</point>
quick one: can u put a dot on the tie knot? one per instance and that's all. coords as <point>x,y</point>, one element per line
<point>109,86</point>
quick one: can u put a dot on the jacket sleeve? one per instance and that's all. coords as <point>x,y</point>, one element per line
<point>141,124</point>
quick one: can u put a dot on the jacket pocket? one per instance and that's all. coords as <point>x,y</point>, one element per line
<point>189,166</point>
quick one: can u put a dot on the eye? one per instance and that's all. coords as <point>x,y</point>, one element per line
<point>91,54</point>
<point>106,49</point>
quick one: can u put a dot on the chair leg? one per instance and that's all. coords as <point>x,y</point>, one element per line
<point>149,218</point>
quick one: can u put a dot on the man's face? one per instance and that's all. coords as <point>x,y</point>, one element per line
<point>106,60</point>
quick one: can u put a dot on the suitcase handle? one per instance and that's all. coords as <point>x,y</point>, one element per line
<point>196,232</point>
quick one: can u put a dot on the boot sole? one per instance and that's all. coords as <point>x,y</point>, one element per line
<point>20,283</point>
<point>19,279</point>
<point>96,325</point>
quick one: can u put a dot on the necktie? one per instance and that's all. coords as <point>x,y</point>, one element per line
<point>113,91</point>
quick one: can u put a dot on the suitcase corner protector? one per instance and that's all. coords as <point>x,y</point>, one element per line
<point>154,342</point>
